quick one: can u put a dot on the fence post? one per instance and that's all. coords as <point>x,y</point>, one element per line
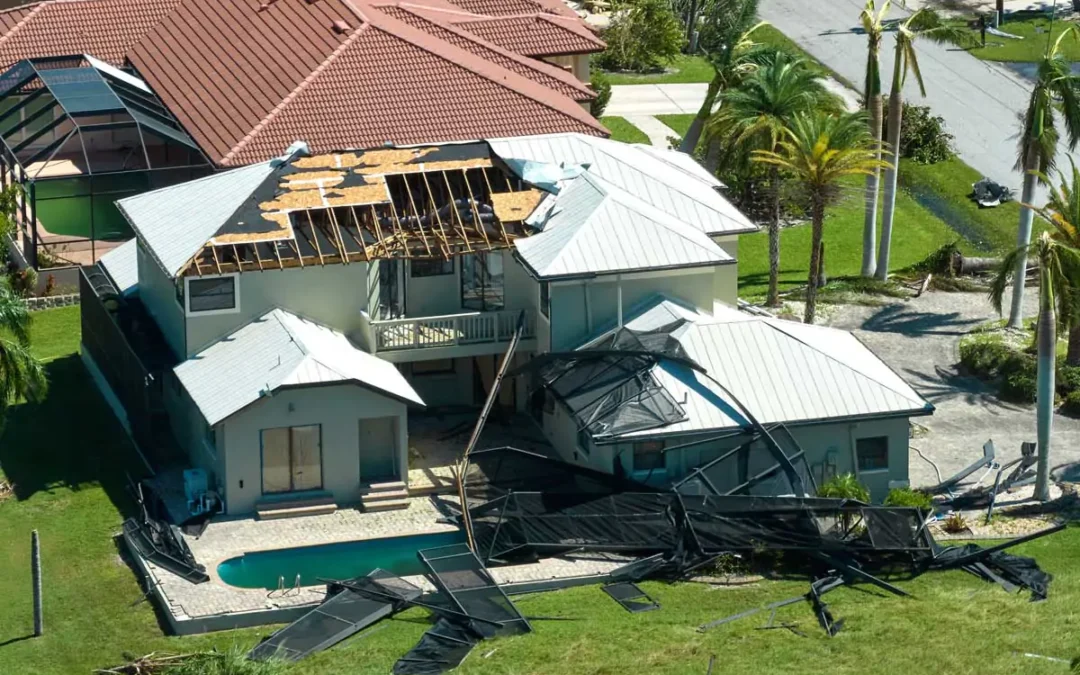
<point>35,563</point>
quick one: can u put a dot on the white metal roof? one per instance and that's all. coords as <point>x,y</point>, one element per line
<point>667,184</point>
<point>175,222</point>
<point>280,349</point>
<point>122,264</point>
<point>594,227</point>
<point>780,370</point>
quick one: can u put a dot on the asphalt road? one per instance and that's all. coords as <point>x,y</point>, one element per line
<point>979,101</point>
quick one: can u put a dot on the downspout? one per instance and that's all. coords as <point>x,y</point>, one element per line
<point>618,297</point>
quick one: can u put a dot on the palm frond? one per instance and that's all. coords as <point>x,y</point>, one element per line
<point>1003,276</point>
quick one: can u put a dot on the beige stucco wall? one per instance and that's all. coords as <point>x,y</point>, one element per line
<point>158,294</point>
<point>726,279</point>
<point>578,64</point>
<point>338,408</point>
<point>333,295</point>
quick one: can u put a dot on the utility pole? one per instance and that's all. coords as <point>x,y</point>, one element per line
<point>35,569</point>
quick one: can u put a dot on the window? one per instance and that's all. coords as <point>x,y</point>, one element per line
<point>545,299</point>
<point>482,281</point>
<point>431,268</point>
<point>436,367</point>
<point>649,456</point>
<point>212,295</point>
<point>872,453</point>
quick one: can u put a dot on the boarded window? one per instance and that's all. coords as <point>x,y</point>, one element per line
<point>649,456</point>
<point>872,453</point>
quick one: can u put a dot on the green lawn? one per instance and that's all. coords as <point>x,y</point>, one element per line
<point>1036,32</point>
<point>621,130</point>
<point>683,68</point>
<point>769,35</point>
<point>680,123</point>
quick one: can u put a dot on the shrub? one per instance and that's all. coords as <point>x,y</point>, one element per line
<point>1068,379</point>
<point>642,37</point>
<point>845,486</point>
<point>983,357</point>
<point>1020,387</point>
<point>908,497</point>
<point>1072,403</point>
<point>601,86</point>
<point>955,523</point>
<point>923,138</point>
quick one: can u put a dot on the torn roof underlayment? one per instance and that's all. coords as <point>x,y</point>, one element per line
<point>430,201</point>
<point>785,372</point>
<point>245,77</point>
<point>280,349</point>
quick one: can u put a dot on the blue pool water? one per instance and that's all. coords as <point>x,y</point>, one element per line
<point>331,561</point>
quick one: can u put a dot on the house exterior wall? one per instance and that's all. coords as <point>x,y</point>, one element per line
<point>581,309</point>
<point>434,295</point>
<point>192,433</point>
<point>577,64</point>
<point>333,295</point>
<point>157,292</point>
<point>338,409</point>
<point>829,448</point>
<point>726,277</point>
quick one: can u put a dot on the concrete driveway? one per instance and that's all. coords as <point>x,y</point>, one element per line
<point>920,340</point>
<point>656,99</point>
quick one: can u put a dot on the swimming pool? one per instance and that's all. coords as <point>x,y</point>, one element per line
<point>346,560</point>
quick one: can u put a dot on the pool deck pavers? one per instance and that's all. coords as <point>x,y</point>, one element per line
<point>214,605</point>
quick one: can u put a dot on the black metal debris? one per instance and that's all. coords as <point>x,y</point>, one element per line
<point>630,597</point>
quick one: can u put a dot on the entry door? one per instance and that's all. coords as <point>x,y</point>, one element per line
<point>482,282</point>
<point>291,459</point>
<point>378,450</point>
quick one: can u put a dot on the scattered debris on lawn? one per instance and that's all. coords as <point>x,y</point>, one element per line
<point>155,663</point>
<point>7,489</point>
<point>988,193</point>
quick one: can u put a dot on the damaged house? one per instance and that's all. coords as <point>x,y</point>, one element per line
<point>293,314</point>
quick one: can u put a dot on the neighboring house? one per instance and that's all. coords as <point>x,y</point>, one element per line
<point>241,79</point>
<point>308,303</point>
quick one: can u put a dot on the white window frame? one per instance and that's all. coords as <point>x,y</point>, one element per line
<point>235,309</point>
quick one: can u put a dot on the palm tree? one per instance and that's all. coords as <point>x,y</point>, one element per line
<point>1059,267</point>
<point>873,23</point>
<point>726,39</point>
<point>755,116</point>
<point>1056,93</point>
<point>21,376</point>
<point>925,24</point>
<point>820,149</point>
<point>1062,210</point>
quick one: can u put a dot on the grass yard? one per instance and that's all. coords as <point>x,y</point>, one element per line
<point>683,68</point>
<point>1036,31</point>
<point>621,130</point>
<point>680,123</point>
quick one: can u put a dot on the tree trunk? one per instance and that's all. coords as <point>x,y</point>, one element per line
<point>817,211</point>
<point>1072,356</point>
<point>892,175</point>
<point>773,297</point>
<point>870,224</point>
<point>712,156</point>
<point>1023,239</point>
<point>693,134</point>
<point>1045,391</point>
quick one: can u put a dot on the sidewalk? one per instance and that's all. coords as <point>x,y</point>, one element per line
<point>628,100</point>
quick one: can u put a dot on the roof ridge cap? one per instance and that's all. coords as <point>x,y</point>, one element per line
<point>304,84</point>
<point>508,81</point>
<point>772,323</point>
<point>23,21</point>
<point>536,65</point>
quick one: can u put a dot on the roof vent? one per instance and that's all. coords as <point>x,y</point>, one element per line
<point>341,26</point>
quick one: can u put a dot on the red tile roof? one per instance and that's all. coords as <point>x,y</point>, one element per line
<point>102,28</point>
<point>504,7</point>
<point>451,95</point>
<point>536,34</point>
<point>247,77</point>
<point>540,71</point>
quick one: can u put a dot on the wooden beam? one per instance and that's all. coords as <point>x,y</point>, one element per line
<point>277,254</point>
<point>360,231</point>
<point>337,235</point>
<point>217,263</point>
<point>314,238</point>
<point>379,239</point>
<point>442,230</point>
<point>255,251</point>
<point>476,212</point>
<point>435,210</point>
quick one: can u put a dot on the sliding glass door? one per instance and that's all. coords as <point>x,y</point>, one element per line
<point>291,459</point>
<point>482,282</point>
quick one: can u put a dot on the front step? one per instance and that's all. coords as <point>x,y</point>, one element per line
<point>273,510</point>
<point>384,496</point>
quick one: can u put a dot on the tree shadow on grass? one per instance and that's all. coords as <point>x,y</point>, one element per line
<point>69,441</point>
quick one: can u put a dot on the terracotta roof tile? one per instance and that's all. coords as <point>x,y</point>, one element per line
<point>102,28</point>
<point>451,95</point>
<point>505,7</point>
<point>536,35</point>
<point>10,17</point>
<point>539,71</point>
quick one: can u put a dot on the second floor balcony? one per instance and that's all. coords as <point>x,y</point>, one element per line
<point>450,335</point>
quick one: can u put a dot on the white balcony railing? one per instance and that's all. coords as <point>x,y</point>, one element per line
<point>450,330</point>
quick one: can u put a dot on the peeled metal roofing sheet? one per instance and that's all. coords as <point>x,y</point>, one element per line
<point>281,349</point>
<point>668,187</point>
<point>596,228</point>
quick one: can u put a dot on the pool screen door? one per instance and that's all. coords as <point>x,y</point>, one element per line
<point>291,459</point>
